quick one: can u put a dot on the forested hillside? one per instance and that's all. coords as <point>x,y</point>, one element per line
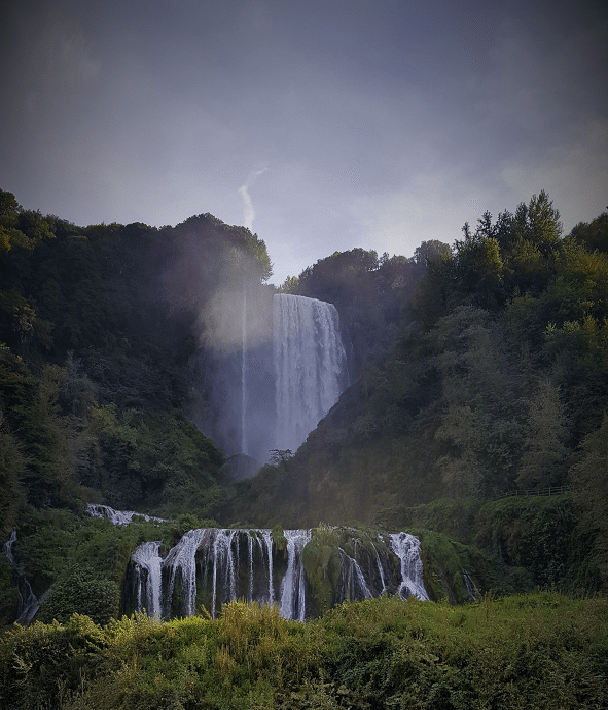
<point>496,381</point>
<point>477,370</point>
<point>98,329</point>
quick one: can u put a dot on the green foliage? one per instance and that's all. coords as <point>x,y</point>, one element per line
<point>590,493</point>
<point>278,539</point>
<point>322,564</point>
<point>81,591</point>
<point>537,534</point>
<point>290,285</point>
<point>593,235</point>
<point>545,452</point>
<point>453,517</point>
<point>528,651</point>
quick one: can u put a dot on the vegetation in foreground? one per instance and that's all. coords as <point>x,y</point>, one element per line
<point>529,651</point>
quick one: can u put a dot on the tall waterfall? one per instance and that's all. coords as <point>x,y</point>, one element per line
<point>244,373</point>
<point>310,365</point>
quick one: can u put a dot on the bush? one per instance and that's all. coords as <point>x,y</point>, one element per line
<point>80,591</point>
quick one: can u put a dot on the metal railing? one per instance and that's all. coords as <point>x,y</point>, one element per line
<point>552,491</point>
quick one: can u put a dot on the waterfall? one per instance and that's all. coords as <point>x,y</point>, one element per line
<point>224,561</point>
<point>310,365</point>
<point>244,372</point>
<point>27,602</point>
<point>293,587</point>
<point>8,547</point>
<point>149,573</point>
<point>181,558</point>
<point>214,566</point>
<point>354,583</point>
<point>407,549</point>
<point>118,517</point>
<point>470,586</point>
<point>267,537</point>
<point>381,572</point>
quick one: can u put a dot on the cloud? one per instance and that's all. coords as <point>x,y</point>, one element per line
<point>574,175</point>
<point>433,204</point>
<point>248,211</point>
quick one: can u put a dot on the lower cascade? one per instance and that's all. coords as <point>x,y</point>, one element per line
<point>210,567</point>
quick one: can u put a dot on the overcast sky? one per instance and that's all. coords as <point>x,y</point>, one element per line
<point>321,125</point>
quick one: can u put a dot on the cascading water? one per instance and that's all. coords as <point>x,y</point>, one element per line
<point>181,560</point>
<point>354,581</point>
<point>293,587</point>
<point>214,566</point>
<point>310,365</point>
<point>27,602</point>
<point>225,563</point>
<point>149,577</point>
<point>8,547</point>
<point>267,537</point>
<point>470,586</point>
<point>118,517</point>
<point>244,373</point>
<point>407,549</point>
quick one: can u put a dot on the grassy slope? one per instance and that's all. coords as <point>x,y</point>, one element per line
<point>532,651</point>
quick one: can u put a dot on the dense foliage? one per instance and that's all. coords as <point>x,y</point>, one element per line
<point>99,327</point>
<point>478,370</point>
<point>497,382</point>
<point>534,651</point>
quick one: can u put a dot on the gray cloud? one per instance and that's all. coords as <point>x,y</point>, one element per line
<point>384,123</point>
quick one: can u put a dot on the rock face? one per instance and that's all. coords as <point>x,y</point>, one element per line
<point>303,571</point>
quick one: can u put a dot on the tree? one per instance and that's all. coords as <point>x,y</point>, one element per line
<point>545,453</point>
<point>590,491</point>
<point>479,267</point>
<point>479,411</point>
<point>81,591</point>
<point>544,226</point>
<point>290,285</point>
<point>594,235</point>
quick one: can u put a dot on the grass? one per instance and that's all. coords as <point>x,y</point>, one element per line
<point>541,650</point>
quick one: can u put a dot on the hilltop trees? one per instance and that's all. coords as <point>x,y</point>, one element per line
<point>494,370</point>
<point>95,342</point>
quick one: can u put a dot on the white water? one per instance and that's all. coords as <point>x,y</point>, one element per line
<point>470,585</point>
<point>28,603</point>
<point>355,581</point>
<point>407,549</point>
<point>244,373</point>
<point>181,558</point>
<point>147,557</point>
<point>224,560</point>
<point>118,517</point>
<point>310,365</point>
<point>267,535</point>
<point>293,587</point>
<point>8,547</point>
<point>216,568</point>
<point>381,570</point>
